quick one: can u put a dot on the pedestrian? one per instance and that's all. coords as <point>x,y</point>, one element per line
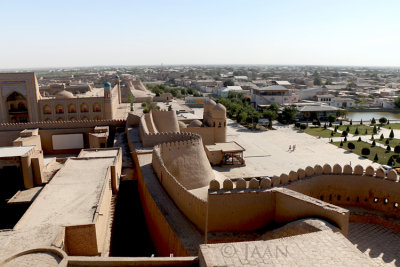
<point>290,147</point>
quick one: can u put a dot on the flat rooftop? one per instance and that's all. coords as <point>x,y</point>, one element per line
<point>98,153</point>
<point>226,147</point>
<point>14,151</point>
<point>72,196</point>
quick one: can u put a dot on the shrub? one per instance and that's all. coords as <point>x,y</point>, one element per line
<point>387,141</point>
<point>297,124</point>
<point>331,117</point>
<point>374,131</point>
<point>351,146</point>
<point>387,122</point>
<point>398,160</point>
<point>344,133</point>
<point>341,123</point>
<point>335,130</point>
<point>365,151</point>
<point>341,143</point>
<point>366,131</point>
<point>345,139</point>
<point>314,122</point>
<point>325,126</point>
<point>330,124</point>
<point>144,104</point>
<point>332,134</point>
<point>356,131</point>
<point>391,135</point>
<point>372,137</point>
<point>381,137</point>
<point>388,148</point>
<point>373,121</point>
<point>397,149</point>
<point>303,126</point>
<point>361,123</point>
<point>373,143</point>
<point>359,139</point>
<point>390,161</point>
<point>351,122</point>
<point>382,120</point>
<point>376,157</point>
<point>348,129</point>
<point>146,110</point>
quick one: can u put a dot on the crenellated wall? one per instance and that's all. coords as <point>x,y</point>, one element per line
<point>59,124</point>
<point>367,193</point>
<point>165,121</point>
<point>178,175</point>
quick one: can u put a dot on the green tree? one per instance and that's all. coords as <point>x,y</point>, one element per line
<point>228,83</point>
<point>387,141</point>
<point>331,118</point>
<point>365,151</point>
<point>373,143</point>
<point>351,146</point>
<point>373,121</point>
<point>361,123</point>
<point>131,99</point>
<point>397,149</point>
<point>388,148</point>
<point>391,135</point>
<point>382,120</point>
<point>359,139</point>
<point>374,131</point>
<point>270,115</point>
<point>390,161</point>
<point>397,102</point>
<point>274,107</point>
<point>356,131</point>
<point>317,81</point>
<point>344,133</point>
<point>288,115</point>
<point>376,157</point>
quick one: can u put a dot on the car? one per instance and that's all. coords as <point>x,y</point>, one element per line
<point>397,170</point>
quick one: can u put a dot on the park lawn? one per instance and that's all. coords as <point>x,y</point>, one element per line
<point>392,142</point>
<point>395,126</point>
<point>383,156</point>
<point>320,131</point>
<point>361,129</point>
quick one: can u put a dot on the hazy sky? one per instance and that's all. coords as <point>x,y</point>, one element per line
<point>86,33</point>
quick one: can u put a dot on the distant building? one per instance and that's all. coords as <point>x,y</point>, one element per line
<point>21,101</point>
<point>339,102</point>
<point>274,93</point>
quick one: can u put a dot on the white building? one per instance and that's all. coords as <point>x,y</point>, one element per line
<point>274,93</point>
<point>339,102</point>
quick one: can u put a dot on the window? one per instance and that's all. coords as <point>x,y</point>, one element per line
<point>84,108</point>
<point>59,109</point>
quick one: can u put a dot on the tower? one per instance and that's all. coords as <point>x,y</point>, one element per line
<point>108,108</point>
<point>118,84</point>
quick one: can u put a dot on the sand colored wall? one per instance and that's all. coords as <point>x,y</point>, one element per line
<point>165,121</point>
<point>206,133</point>
<point>254,208</point>
<point>7,137</point>
<point>187,162</point>
<point>81,240</point>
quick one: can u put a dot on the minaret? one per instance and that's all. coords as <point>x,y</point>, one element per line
<point>108,108</point>
<point>118,84</point>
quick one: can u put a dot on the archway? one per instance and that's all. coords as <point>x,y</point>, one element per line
<point>17,108</point>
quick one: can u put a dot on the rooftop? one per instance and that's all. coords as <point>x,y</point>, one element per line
<point>14,151</point>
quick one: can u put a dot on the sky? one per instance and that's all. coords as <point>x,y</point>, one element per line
<point>153,32</point>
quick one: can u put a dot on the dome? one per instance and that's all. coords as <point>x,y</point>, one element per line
<point>107,86</point>
<point>64,94</point>
<point>211,102</point>
<point>219,107</point>
<point>195,123</point>
<point>182,124</point>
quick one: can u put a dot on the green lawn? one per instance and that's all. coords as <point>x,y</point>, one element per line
<point>392,142</point>
<point>383,156</point>
<point>361,129</point>
<point>395,126</point>
<point>320,131</point>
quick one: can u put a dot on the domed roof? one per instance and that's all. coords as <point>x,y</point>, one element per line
<point>195,123</point>
<point>182,124</point>
<point>211,102</point>
<point>219,107</point>
<point>64,94</point>
<point>107,86</point>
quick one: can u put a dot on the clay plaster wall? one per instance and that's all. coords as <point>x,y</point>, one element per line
<point>206,133</point>
<point>165,121</point>
<point>193,207</point>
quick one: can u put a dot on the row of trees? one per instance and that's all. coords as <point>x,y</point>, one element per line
<point>178,92</point>
<point>239,108</point>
